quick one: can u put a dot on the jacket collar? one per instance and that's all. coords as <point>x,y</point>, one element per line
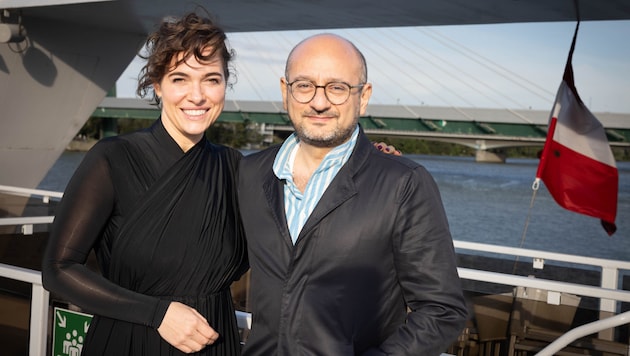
<point>340,190</point>
<point>342,187</point>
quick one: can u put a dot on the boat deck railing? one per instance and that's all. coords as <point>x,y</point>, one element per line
<point>608,291</point>
<point>45,195</point>
<point>26,223</point>
<point>38,329</point>
<point>610,270</point>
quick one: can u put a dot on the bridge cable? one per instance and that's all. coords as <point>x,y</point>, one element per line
<point>453,68</point>
<point>495,65</point>
<point>262,56</point>
<point>368,50</point>
<point>417,54</point>
<point>469,53</point>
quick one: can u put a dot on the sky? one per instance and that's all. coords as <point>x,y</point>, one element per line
<point>513,66</point>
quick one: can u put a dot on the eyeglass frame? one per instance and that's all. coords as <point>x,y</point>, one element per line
<point>350,87</point>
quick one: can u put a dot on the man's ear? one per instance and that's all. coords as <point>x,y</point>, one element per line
<point>283,88</point>
<point>366,93</point>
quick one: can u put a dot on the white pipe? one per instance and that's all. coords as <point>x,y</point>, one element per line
<point>39,306</point>
<point>546,284</point>
<point>20,274</point>
<point>28,192</point>
<point>38,332</point>
<point>522,252</point>
<point>33,220</point>
<point>584,330</point>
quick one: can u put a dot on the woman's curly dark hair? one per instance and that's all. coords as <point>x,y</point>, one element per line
<point>191,35</point>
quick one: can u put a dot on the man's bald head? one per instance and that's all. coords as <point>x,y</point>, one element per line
<point>328,41</point>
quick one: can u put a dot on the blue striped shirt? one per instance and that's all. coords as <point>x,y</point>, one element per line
<point>298,206</point>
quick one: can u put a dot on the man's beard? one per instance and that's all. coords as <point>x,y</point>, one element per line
<point>328,139</point>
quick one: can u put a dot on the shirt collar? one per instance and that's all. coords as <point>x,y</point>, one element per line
<point>283,163</point>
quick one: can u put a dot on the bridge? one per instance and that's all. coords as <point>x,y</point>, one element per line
<point>481,129</point>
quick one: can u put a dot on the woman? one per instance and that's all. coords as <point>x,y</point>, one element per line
<point>159,208</point>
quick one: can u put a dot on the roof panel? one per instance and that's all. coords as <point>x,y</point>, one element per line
<point>140,16</point>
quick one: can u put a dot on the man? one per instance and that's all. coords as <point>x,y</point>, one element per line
<point>349,247</point>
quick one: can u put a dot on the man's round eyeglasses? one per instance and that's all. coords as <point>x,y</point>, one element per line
<point>303,91</point>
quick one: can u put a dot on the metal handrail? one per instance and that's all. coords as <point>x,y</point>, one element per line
<point>544,284</point>
<point>30,220</point>
<point>523,252</point>
<point>609,268</point>
<point>584,330</point>
<point>38,329</point>
<point>27,222</point>
<point>26,192</point>
<point>39,303</point>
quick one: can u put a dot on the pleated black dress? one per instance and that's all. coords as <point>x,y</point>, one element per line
<point>165,227</point>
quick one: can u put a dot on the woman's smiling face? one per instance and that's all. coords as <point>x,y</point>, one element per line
<point>192,96</point>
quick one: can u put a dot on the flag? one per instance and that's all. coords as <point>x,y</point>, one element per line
<point>577,164</point>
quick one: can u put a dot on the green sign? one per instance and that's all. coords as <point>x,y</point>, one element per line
<point>69,331</point>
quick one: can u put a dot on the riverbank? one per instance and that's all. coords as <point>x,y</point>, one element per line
<point>409,147</point>
<point>81,144</point>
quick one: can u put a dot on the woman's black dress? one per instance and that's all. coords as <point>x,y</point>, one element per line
<point>165,227</point>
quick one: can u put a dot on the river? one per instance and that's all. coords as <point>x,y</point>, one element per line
<point>490,203</point>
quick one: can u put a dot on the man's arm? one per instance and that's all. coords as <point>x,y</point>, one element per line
<point>425,263</point>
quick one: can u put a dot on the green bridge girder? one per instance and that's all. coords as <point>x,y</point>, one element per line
<point>454,127</point>
<point>381,123</point>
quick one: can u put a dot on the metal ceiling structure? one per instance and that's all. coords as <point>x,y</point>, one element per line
<point>139,16</point>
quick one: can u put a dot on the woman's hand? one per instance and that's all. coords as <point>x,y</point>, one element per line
<point>186,329</point>
<point>383,147</point>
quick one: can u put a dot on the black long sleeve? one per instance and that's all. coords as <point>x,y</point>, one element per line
<point>86,210</point>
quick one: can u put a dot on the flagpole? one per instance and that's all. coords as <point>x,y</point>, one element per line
<point>535,186</point>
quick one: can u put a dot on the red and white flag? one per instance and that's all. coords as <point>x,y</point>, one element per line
<point>577,164</point>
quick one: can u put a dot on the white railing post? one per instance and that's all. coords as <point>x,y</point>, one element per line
<point>38,328</point>
<point>610,277</point>
<point>39,321</point>
<point>608,307</point>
